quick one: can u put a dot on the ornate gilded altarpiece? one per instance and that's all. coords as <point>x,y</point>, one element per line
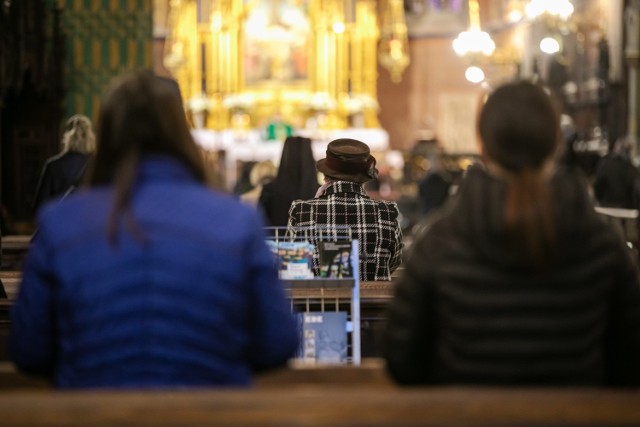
<point>242,63</point>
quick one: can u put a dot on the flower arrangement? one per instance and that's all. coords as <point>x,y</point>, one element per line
<point>357,103</point>
<point>239,101</point>
<point>199,103</point>
<point>368,102</point>
<point>321,101</point>
<point>353,105</point>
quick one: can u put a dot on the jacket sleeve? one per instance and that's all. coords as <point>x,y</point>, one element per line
<point>407,338</point>
<point>293,221</point>
<point>32,345</point>
<point>623,335</point>
<point>44,190</point>
<point>396,250</point>
<point>275,336</point>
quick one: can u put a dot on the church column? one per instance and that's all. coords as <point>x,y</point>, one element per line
<point>632,55</point>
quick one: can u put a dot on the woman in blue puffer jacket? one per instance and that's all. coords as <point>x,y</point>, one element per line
<point>147,277</point>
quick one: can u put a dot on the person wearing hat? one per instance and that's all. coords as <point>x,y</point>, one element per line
<point>343,201</point>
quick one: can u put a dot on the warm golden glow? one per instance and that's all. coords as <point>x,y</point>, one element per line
<point>242,62</point>
<point>560,8</point>
<point>393,50</point>
<point>474,40</point>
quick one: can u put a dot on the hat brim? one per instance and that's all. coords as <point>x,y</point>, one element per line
<point>361,178</point>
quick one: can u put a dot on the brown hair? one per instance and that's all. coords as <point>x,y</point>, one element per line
<point>140,114</point>
<point>520,130</point>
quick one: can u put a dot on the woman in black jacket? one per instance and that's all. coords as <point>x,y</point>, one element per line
<point>519,282</point>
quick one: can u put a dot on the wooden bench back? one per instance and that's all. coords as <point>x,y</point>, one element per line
<point>338,406</point>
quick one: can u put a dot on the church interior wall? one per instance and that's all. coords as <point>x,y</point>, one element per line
<point>412,109</point>
<point>104,39</point>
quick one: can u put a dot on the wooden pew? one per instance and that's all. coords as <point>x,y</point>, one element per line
<point>5,324</point>
<point>324,406</point>
<point>319,396</point>
<point>14,250</point>
<point>370,292</point>
<point>11,286</point>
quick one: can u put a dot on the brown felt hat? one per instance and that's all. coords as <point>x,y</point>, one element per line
<point>348,160</point>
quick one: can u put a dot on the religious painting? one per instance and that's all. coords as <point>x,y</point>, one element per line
<point>276,42</point>
<point>426,18</point>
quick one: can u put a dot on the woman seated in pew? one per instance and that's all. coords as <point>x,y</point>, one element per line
<point>147,277</point>
<point>519,282</point>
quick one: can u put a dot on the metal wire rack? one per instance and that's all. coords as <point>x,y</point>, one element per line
<point>325,294</point>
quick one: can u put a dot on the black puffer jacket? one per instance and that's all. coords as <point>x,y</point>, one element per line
<point>470,310</point>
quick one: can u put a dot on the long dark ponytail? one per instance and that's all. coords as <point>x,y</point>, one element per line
<point>520,130</point>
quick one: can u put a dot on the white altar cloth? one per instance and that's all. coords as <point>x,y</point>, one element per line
<point>250,146</point>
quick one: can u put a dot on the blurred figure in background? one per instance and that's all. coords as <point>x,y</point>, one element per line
<point>149,278</point>
<point>296,179</point>
<point>278,129</point>
<point>244,183</point>
<point>521,282</point>
<point>616,181</point>
<point>262,173</point>
<point>434,187</point>
<point>63,172</point>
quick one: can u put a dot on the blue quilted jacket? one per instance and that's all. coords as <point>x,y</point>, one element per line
<point>194,301</point>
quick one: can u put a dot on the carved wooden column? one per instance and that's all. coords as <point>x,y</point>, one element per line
<point>632,55</point>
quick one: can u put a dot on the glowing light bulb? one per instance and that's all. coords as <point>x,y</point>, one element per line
<point>549,45</point>
<point>473,41</point>
<point>561,8</point>
<point>474,74</point>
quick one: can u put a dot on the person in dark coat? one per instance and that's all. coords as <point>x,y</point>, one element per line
<point>519,281</point>
<point>435,186</point>
<point>64,171</point>
<point>296,179</point>
<point>616,182</point>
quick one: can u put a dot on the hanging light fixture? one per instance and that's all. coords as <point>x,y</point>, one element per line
<point>474,42</point>
<point>474,74</point>
<point>393,50</point>
<point>554,17</point>
<point>557,8</point>
<point>549,45</point>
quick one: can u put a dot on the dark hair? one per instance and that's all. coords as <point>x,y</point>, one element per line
<point>140,114</point>
<point>296,179</point>
<point>297,174</point>
<point>520,130</point>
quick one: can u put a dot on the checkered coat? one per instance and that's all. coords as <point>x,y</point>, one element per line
<point>373,222</point>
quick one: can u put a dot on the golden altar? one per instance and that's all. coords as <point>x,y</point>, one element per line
<point>242,64</point>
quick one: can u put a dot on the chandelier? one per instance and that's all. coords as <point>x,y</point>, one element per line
<point>393,48</point>
<point>554,16</point>
<point>473,43</point>
<point>557,8</point>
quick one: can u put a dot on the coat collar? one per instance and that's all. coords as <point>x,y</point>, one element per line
<point>338,187</point>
